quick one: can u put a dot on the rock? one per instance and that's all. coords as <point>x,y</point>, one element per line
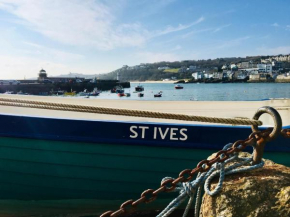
<point>262,192</point>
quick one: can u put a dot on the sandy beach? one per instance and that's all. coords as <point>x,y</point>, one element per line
<point>245,109</point>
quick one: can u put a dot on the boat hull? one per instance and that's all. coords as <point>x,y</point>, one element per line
<point>43,160</point>
<point>139,89</point>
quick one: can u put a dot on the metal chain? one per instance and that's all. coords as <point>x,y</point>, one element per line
<point>286,133</point>
<point>186,175</point>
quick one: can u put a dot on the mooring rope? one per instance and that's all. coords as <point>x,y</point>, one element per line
<point>189,189</point>
<point>124,112</point>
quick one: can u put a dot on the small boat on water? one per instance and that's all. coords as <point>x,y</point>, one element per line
<point>113,90</point>
<point>22,93</point>
<point>9,92</point>
<point>95,92</point>
<point>128,94</point>
<point>140,94</point>
<point>121,94</point>
<point>84,93</point>
<point>178,87</point>
<point>54,162</point>
<point>119,89</point>
<point>158,94</point>
<point>57,92</point>
<point>70,93</point>
<point>139,88</point>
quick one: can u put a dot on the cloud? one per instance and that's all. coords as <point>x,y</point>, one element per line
<point>52,53</point>
<point>275,25</point>
<point>196,32</point>
<point>177,47</point>
<point>212,29</point>
<point>16,67</point>
<point>233,42</point>
<point>180,27</point>
<point>220,28</point>
<point>82,23</point>
<point>151,7</point>
<point>70,22</point>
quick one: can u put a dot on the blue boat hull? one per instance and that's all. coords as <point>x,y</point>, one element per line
<point>49,159</point>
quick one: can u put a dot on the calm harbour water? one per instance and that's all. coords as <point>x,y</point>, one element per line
<point>206,92</point>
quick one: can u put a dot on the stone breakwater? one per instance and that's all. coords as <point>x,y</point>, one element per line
<point>40,89</point>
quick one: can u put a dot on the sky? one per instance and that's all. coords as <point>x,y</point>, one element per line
<point>99,36</point>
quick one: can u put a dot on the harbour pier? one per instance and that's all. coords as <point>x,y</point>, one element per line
<point>45,85</point>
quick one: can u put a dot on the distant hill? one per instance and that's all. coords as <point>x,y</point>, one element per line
<point>177,69</point>
<point>168,70</point>
<point>74,75</point>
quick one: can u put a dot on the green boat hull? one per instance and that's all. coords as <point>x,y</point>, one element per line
<point>56,177</point>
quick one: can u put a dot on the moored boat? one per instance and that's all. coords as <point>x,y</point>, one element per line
<point>113,90</point>
<point>178,87</point>
<point>57,92</point>
<point>21,93</point>
<point>140,94</point>
<point>121,94</point>
<point>119,89</point>
<point>73,93</point>
<point>52,159</point>
<point>158,94</point>
<point>84,93</point>
<point>9,92</point>
<point>95,92</point>
<point>139,88</point>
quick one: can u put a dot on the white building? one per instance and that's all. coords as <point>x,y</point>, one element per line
<point>198,75</point>
<point>217,75</point>
<point>225,67</point>
<point>266,68</point>
<point>234,67</point>
<point>208,75</point>
<point>191,68</point>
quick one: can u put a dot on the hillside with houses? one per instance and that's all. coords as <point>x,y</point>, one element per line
<point>235,69</point>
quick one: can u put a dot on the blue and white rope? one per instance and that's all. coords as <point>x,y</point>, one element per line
<point>193,189</point>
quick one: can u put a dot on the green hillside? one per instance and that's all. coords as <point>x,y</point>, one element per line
<point>177,69</point>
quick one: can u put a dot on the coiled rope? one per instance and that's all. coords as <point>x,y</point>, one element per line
<point>193,189</point>
<point>124,112</point>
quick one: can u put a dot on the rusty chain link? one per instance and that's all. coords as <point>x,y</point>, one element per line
<point>286,133</point>
<point>188,174</point>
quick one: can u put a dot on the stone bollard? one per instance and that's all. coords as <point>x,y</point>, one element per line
<point>262,192</point>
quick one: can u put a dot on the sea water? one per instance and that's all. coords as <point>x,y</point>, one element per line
<point>205,92</point>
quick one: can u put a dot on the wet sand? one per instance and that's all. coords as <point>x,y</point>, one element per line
<point>231,109</point>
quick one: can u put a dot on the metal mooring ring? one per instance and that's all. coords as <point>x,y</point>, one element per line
<point>277,121</point>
